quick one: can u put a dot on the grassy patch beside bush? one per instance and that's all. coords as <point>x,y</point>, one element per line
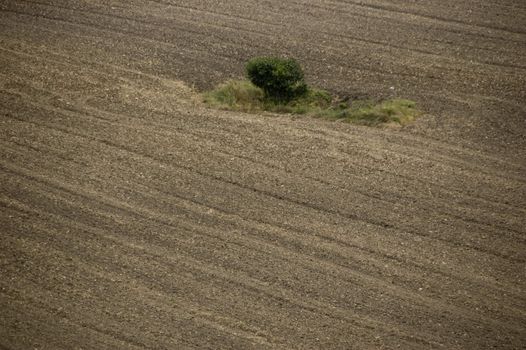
<point>241,95</point>
<point>236,95</point>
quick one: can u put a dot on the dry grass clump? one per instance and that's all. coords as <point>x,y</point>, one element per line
<point>397,111</point>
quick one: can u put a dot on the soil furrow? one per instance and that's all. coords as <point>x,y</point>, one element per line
<point>337,242</point>
<point>300,202</point>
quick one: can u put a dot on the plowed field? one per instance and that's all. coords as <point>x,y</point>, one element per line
<point>132,217</point>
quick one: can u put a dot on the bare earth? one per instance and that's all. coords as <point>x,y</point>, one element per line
<point>132,217</point>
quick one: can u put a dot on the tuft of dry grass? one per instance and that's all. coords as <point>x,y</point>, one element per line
<point>236,95</point>
<point>397,111</point>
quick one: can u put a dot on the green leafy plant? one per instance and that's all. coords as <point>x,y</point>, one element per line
<point>280,79</point>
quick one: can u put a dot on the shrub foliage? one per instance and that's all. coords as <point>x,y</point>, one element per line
<point>280,79</point>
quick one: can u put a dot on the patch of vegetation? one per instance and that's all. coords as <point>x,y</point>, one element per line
<point>277,86</point>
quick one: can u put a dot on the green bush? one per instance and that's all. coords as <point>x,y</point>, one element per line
<point>280,79</point>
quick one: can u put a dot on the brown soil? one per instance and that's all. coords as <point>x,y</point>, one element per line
<point>134,218</point>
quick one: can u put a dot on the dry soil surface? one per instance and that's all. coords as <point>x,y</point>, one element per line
<point>132,217</point>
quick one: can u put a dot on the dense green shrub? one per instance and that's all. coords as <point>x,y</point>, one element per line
<point>280,79</point>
